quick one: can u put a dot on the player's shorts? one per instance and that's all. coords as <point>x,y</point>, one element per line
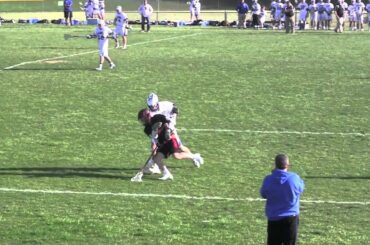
<point>96,12</point>
<point>322,16</point>
<point>103,48</point>
<point>170,147</point>
<point>313,16</point>
<point>359,17</point>
<point>194,11</point>
<point>277,16</point>
<point>302,15</point>
<point>68,14</point>
<point>352,17</point>
<point>120,31</point>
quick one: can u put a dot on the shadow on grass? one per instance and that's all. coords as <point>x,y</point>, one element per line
<point>339,177</point>
<point>68,172</point>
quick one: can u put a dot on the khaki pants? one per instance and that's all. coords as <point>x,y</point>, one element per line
<point>289,24</point>
<point>340,23</point>
<point>241,20</point>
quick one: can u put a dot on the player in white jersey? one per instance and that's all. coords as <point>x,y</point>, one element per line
<point>312,8</point>
<point>102,33</point>
<point>359,9</point>
<point>194,9</point>
<point>87,8</point>
<point>303,13</point>
<point>170,111</point>
<point>367,8</point>
<point>102,9</point>
<point>329,7</point>
<point>352,15</point>
<point>121,22</point>
<point>322,15</point>
<point>278,13</point>
<point>96,11</point>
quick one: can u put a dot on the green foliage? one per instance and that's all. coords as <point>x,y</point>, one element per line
<point>65,126</point>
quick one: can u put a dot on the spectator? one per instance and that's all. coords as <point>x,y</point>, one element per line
<point>145,11</point>
<point>282,190</point>
<point>194,9</point>
<point>242,10</point>
<point>68,12</point>
<point>289,17</point>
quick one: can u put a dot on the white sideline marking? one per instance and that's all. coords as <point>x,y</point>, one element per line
<point>95,51</point>
<point>123,194</point>
<point>271,132</point>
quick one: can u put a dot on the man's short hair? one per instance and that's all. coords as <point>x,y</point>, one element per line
<point>281,161</point>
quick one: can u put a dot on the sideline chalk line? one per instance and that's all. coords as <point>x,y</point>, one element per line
<point>95,51</point>
<point>172,196</point>
<point>208,130</point>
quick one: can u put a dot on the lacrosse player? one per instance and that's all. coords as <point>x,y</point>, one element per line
<point>87,8</point>
<point>121,22</point>
<point>367,8</point>
<point>102,9</point>
<point>303,12</point>
<point>194,10</point>
<point>359,9</point>
<point>170,111</point>
<point>102,33</point>
<point>312,8</point>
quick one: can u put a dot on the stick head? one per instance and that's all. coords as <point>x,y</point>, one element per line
<point>137,177</point>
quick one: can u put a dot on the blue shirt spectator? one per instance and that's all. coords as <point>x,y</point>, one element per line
<point>242,8</point>
<point>68,5</point>
<point>282,190</point>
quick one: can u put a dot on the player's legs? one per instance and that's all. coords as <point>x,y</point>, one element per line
<point>158,158</point>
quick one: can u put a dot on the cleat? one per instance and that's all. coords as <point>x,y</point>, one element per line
<point>124,47</point>
<point>112,66</point>
<point>137,177</point>
<point>99,69</point>
<point>198,160</point>
<point>166,176</point>
<point>117,46</point>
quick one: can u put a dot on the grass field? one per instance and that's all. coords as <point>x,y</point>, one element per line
<point>70,141</point>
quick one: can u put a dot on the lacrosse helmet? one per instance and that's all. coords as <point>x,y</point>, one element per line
<point>119,9</point>
<point>152,102</point>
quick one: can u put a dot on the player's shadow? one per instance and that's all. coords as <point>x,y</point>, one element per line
<point>69,172</point>
<point>339,177</point>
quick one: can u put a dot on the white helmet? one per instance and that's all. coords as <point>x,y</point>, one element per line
<point>119,9</point>
<point>152,102</point>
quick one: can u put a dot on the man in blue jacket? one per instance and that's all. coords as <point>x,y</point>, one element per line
<point>282,190</point>
<point>242,9</point>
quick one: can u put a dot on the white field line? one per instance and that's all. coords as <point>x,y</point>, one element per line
<point>208,130</point>
<point>94,51</point>
<point>149,195</point>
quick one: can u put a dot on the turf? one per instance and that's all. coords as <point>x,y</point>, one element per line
<point>67,127</point>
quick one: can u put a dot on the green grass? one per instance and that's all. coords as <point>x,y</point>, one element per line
<point>65,126</point>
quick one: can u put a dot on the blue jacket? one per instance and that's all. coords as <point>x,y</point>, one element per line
<point>282,190</point>
<point>242,8</point>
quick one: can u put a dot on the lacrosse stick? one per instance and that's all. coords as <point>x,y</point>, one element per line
<point>69,36</point>
<point>139,175</point>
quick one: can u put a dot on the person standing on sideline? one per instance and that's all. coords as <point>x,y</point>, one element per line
<point>242,10</point>
<point>282,190</point>
<point>256,10</point>
<point>68,11</point>
<point>367,8</point>
<point>289,17</point>
<point>339,14</point>
<point>102,33</point>
<point>303,13</point>
<point>145,11</point>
